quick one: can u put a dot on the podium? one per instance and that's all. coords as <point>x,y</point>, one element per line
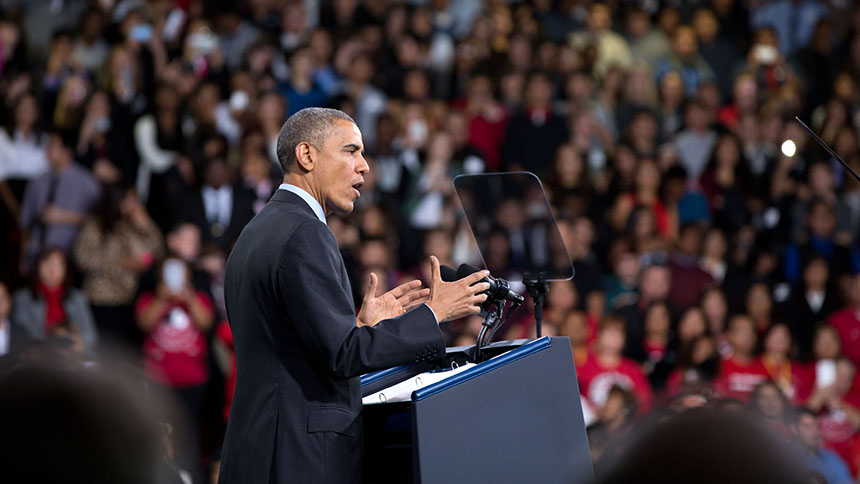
<point>514,418</point>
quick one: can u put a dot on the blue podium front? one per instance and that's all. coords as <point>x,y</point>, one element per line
<point>515,418</point>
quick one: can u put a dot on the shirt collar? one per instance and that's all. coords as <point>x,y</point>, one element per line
<point>311,201</point>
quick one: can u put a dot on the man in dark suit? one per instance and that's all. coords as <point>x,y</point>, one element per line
<point>299,345</point>
<point>221,208</point>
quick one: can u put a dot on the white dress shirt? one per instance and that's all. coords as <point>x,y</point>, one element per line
<point>308,198</point>
<point>218,203</point>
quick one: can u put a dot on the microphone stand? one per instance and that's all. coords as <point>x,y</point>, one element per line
<point>537,288</point>
<point>493,318</point>
<point>828,149</point>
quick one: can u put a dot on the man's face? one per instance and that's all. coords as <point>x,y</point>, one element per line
<point>808,432</point>
<point>340,167</point>
<point>656,283</point>
<point>56,153</point>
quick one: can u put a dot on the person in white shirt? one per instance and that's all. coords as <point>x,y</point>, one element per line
<point>22,145</point>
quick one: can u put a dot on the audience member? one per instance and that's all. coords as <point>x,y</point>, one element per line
<point>52,301</point>
<point>820,459</point>
<point>56,203</point>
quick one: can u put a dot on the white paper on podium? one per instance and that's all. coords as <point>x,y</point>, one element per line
<point>402,392</point>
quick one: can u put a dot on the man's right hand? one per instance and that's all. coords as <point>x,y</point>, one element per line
<point>452,300</point>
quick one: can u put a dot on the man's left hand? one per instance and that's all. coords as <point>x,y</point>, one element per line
<point>391,304</point>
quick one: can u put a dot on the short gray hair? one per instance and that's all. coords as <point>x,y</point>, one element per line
<point>310,125</point>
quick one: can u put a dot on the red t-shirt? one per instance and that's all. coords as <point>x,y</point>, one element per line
<point>175,350</point>
<point>848,326</point>
<point>655,351</point>
<point>837,432</point>
<point>737,380</point>
<point>225,335</point>
<point>794,378</point>
<point>595,381</point>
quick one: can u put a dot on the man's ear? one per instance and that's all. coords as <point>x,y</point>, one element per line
<point>304,156</point>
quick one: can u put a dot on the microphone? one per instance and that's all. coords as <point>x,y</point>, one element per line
<point>499,288</point>
<point>447,273</point>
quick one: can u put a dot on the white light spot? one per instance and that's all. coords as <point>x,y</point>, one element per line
<point>789,148</point>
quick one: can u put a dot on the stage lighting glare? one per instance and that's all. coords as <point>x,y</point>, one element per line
<point>789,148</point>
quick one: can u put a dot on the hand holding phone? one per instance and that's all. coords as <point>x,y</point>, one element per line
<point>174,275</point>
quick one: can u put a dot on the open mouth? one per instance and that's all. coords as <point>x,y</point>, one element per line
<point>357,186</point>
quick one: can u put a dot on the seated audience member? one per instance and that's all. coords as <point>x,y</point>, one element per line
<point>826,349</point>
<point>769,402</point>
<point>657,324</point>
<point>654,285</point>
<point>759,306</point>
<point>703,445</point>
<point>690,327</point>
<point>820,242</point>
<point>56,203</point>
<point>697,366</point>
<point>742,371</point>
<point>580,332</point>
<point>562,298</point>
<point>606,366</point>
<point>619,411</point>
<point>818,458</point>
<point>793,378</point>
<point>114,248</point>
<point>715,308</point>
<point>51,301</point>
<point>847,323</point>
<point>814,300</point>
<point>838,408</point>
<point>688,279</point>
<point>620,285</point>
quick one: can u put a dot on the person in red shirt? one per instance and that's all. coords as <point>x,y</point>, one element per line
<point>838,409</point>
<point>606,367</point>
<point>847,323</point>
<point>741,372</point>
<point>826,349</point>
<point>794,379</point>
<point>175,318</point>
<point>579,330</point>
<point>657,323</point>
<point>698,363</point>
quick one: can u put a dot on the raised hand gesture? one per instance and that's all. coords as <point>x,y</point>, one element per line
<point>391,304</point>
<point>453,300</point>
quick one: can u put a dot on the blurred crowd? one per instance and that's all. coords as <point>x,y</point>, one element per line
<point>715,243</point>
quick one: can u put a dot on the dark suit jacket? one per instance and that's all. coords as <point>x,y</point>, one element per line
<point>802,319</point>
<point>296,412</point>
<point>242,211</point>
